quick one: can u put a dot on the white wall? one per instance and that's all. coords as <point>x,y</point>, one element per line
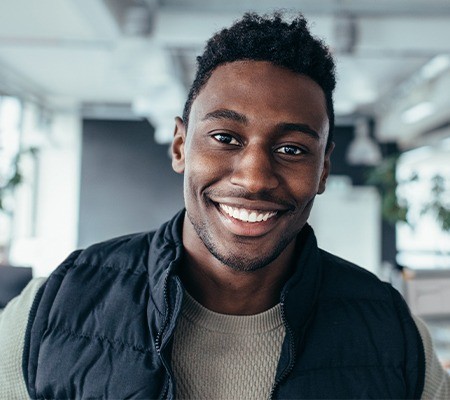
<point>346,221</point>
<point>54,233</point>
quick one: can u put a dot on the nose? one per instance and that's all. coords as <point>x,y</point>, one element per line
<point>253,169</point>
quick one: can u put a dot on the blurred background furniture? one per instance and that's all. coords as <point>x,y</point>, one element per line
<point>12,282</point>
<point>427,292</point>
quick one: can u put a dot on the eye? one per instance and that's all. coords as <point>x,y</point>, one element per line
<point>226,139</point>
<point>290,150</point>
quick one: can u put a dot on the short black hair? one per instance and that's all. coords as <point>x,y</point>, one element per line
<point>268,38</point>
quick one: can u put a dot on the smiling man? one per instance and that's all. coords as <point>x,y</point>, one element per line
<point>232,299</point>
<point>254,155</point>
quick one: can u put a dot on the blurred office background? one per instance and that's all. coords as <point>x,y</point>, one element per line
<point>88,94</point>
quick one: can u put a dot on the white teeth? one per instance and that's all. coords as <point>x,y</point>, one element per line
<point>245,215</point>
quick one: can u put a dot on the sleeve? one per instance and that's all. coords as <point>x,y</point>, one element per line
<point>13,323</point>
<point>437,381</point>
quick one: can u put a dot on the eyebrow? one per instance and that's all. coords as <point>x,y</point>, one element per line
<point>224,113</point>
<point>303,128</point>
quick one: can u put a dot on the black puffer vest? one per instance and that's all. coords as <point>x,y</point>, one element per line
<point>102,326</point>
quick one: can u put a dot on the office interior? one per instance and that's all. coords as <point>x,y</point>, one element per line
<point>88,94</point>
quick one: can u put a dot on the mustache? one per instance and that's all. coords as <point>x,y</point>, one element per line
<point>243,194</point>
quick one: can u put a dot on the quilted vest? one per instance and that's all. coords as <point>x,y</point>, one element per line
<point>102,326</point>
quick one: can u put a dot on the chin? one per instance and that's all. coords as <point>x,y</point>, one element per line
<point>241,259</point>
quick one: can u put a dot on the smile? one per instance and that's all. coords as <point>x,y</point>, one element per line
<point>246,215</point>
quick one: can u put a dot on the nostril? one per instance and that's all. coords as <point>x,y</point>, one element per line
<point>253,169</point>
<point>255,180</point>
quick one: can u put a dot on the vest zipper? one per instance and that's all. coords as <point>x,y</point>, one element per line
<point>166,317</point>
<point>166,390</point>
<point>292,352</point>
<point>158,340</point>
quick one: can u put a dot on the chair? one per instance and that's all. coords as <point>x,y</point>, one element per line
<point>12,282</point>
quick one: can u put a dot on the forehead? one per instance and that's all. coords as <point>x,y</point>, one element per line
<point>262,91</point>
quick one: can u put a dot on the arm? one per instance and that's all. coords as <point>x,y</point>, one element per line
<point>13,322</point>
<point>437,381</point>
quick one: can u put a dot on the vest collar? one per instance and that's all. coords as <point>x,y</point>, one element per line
<point>300,293</point>
<point>298,296</point>
<point>165,255</point>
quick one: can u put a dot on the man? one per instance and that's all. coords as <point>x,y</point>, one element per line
<point>232,298</point>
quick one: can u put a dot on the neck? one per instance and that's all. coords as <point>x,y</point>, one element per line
<point>224,290</point>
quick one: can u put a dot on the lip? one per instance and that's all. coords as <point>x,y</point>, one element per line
<point>249,229</point>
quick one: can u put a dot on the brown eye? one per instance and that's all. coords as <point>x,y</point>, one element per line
<point>226,139</point>
<point>290,150</point>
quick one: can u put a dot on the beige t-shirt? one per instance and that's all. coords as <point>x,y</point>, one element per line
<point>241,358</point>
<point>13,323</point>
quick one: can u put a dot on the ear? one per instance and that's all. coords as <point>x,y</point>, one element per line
<point>326,169</point>
<point>179,139</point>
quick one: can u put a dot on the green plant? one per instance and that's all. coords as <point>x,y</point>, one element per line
<point>438,206</point>
<point>15,178</point>
<point>384,179</point>
<point>395,208</point>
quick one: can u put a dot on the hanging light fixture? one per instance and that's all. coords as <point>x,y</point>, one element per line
<point>363,150</point>
<point>418,112</point>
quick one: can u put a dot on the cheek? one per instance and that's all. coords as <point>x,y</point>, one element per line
<point>202,168</point>
<point>199,173</point>
<point>305,185</point>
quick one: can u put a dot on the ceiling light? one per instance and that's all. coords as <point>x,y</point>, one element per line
<point>345,34</point>
<point>435,66</point>
<point>363,150</point>
<point>417,112</point>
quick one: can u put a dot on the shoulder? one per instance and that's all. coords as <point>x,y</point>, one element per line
<point>105,267</point>
<point>102,274</point>
<point>348,286</point>
<point>135,251</point>
<point>343,278</point>
<point>115,268</point>
<point>437,381</point>
<point>121,252</point>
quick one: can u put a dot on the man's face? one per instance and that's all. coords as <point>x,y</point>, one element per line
<point>253,160</point>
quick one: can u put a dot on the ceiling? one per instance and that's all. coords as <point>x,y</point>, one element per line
<point>119,58</point>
